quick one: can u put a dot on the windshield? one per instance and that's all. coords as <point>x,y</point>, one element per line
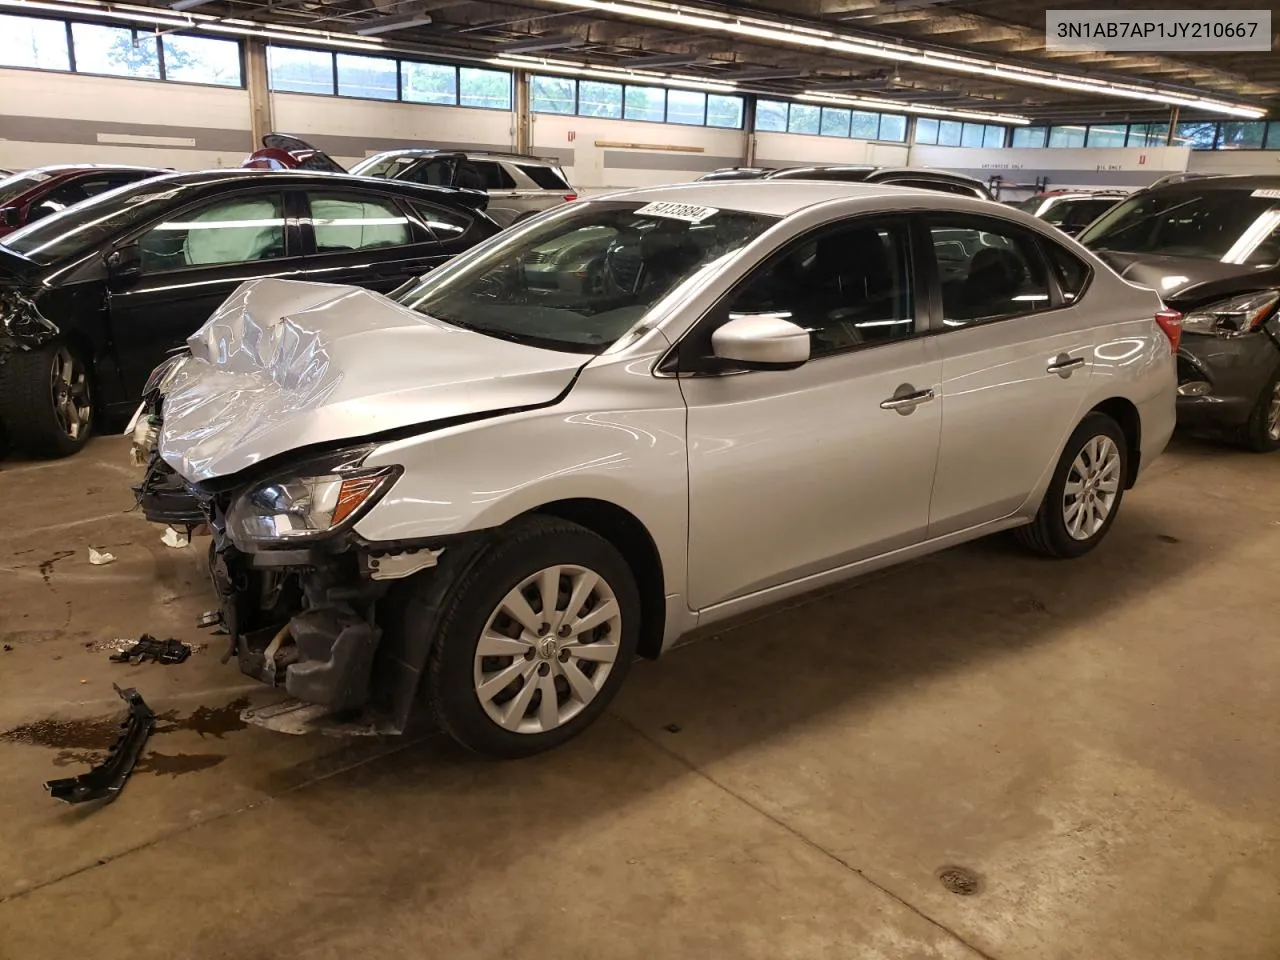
<point>1234,226</point>
<point>1031,205</point>
<point>582,279</point>
<point>87,224</point>
<point>13,187</point>
<point>383,165</point>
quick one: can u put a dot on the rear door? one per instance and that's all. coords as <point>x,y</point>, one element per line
<point>191,261</point>
<point>376,240</point>
<point>1017,354</point>
<point>508,199</point>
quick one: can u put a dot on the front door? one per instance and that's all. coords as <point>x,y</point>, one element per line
<point>792,473</point>
<point>1016,360</point>
<point>190,263</point>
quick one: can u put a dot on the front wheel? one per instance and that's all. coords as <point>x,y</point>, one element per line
<point>1262,432</point>
<point>1085,492</point>
<point>534,640</point>
<point>46,400</point>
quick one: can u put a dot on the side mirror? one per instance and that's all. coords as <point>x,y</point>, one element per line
<point>10,217</point>
<point>125,263</point>
<point>761,341</point>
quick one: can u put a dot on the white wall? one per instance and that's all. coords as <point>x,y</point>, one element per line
<point>582,145</point>
<point>1235,161</point>
<point>74,118</point>
<point>796,150</point>
<point>350,130</point>
<point>1124,168</point>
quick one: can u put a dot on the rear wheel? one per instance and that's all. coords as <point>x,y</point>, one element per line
<point>46,400</point>
<point>1262,432</point>
<point>534,640</point>
<point>1085,492</point>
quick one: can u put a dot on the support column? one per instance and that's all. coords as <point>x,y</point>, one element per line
<point>523,115</point>
<point>1173,126</point>
<point>749,131</point>
<point>255,82</point>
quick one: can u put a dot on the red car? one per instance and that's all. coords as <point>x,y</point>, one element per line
<point>28,196</point>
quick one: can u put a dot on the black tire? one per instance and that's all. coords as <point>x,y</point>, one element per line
<point>29,402</point>
<point>527,547</point>
<point>1047,534</point>
<point>1258,431</point>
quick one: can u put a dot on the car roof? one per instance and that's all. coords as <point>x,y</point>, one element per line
<point>205,177</point>
<point>1255,181</point>
<point>776,198</point>
<point>485,154</point>
<point>68,169</point>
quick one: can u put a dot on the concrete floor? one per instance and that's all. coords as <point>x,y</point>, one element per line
<point>1098,742</point>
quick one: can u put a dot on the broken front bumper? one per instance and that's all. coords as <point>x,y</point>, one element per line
<point>1221,378</point>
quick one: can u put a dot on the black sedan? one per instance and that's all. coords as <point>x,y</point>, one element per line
<point>92,298</point>
<point>1211,247</point>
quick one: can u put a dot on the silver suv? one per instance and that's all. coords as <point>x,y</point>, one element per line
<point>518,185</point>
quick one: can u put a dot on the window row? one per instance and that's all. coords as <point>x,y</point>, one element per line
<point>1196,134</point>
<point>45,44</point>
<point>615,101</point>
<point>954,133</point>
<point>778,116</point>
<point>295,70</point>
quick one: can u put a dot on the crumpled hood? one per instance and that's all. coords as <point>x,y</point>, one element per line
<point>283,364</point>
<point>1192,279</point>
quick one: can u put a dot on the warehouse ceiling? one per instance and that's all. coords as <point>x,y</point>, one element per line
<point>1011,33</point>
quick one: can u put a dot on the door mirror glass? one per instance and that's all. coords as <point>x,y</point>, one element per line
<point>124,263</point>
<point>762,341</point>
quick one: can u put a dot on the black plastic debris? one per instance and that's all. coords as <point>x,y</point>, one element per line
<point>158,651</point>
<point>107,779</point>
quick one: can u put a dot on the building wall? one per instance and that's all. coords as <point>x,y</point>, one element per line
<point>796,150</point>
<point>600,154</point>
<point>1092,168</point>
<point>73,118</point>
<point>350,130</point>
<point>1235,161</point>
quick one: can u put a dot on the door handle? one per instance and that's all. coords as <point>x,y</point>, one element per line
<point>1064,365</point>
<point>905,403</point>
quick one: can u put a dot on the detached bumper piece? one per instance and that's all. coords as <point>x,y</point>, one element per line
<point>165,498</point>
<point>149,648</point>
<point>107,779</point>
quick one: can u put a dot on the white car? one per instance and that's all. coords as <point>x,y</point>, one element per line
<point>491,495</point>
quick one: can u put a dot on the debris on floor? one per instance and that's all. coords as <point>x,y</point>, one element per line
<point>175,538</point>
<point>148,647</point>
<point>8,648</point>
<point>100,557</point>
<point>107,779</point>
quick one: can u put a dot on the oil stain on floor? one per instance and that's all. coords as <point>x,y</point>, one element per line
<point>85,741</point>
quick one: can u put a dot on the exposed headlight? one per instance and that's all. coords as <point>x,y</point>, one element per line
<point>308,505</point>
<point>1231,318</point>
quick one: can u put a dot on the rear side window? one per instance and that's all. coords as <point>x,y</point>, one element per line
<point>545,177</point>
<point>988,275</point>
<point>444,224</point>
<point>494,177</point>
<point>350,221</point>
<point>1071,272</point>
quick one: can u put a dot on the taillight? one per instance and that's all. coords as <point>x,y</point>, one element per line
<point>1171,323</point>
<point>570,196</point>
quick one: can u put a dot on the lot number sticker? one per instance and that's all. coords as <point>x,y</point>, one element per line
<point>688,212</point>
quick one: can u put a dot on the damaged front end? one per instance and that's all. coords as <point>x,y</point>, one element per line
<point>299,592</point>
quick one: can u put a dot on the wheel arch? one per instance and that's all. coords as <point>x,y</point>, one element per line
<point>631,538</point>
<point>1124,412</point>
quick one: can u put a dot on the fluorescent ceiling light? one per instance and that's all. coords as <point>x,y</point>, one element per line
<point>534,44</point>
<point>894,106</point>
<point>619,74</point>
<point>388,24</point>
<point>188,4</point>
<point>675,15</point>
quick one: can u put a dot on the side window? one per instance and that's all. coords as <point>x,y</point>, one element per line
<point>494,176</point>
<point>1071,272</point>
<point>444,224</point>
<point>545,177</point>
<point>59,198</point>
<point>233,230</point>
<point>350,221</point>
<point>434,173</point>
<point>849,286</point>
<point>941,186</point>
<point>987,276</point>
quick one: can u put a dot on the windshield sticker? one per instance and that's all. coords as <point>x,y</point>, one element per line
<point>1269,194</point>
<point>688,212</point>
